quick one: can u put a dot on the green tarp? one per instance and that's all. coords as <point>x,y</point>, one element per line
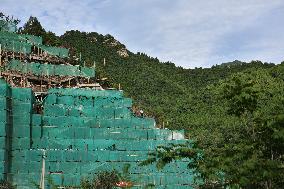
<point>46,69</point>
<point>81,132</point>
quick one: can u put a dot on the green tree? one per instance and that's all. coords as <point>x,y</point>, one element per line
<point>244,147</point>
<point>33,27</point>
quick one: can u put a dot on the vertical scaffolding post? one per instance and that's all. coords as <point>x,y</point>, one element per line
<point>13,50</point>
<point>42,184</point>
<point>21,81</point>
<point>20,53</point>
<point>0,54</point>
<point>0,58</point>
<point>41,82</point>
<point>49,83</point>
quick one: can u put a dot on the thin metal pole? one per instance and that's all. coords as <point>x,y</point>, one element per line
<point>0,54</point>
<point>0,58</point>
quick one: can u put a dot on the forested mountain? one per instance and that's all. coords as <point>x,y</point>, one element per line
<point>233,111</point>
<point>163,90</point>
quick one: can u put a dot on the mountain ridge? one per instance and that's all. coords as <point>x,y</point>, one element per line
<point>161,89</point>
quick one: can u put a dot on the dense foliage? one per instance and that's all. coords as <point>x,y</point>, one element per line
<point>238,132</point>
<point>103,180</point>
<point>109,180</point>
<point>233,112</point>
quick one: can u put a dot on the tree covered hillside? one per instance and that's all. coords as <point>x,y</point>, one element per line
<point>233,112</point>
<point>163,90</point>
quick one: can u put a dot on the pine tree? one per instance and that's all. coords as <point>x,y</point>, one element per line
<point>33,27</point>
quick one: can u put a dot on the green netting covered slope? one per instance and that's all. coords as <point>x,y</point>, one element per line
<point>9,26</point>
<point>15,46</point>
<point>20,43</point>
<point>14,42</point>
<point>4,125</point>
<point>81,132</point>
<point>38,69</point>
<point>55,51</point>
<point>23,42</point>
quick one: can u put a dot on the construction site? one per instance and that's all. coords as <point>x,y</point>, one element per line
<point>58,123</point>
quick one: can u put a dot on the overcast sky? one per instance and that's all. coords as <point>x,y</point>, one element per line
<point>190,33</point>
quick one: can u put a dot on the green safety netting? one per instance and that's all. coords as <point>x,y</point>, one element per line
<point>4,89</point>
<point>55,51</point>
<point>31,39</point>
<point>18,42</point>
<point>24,38</point>
<point>47,69</point>
<point>23,43</point>
<point>7,26</point>
<point>81,132</point>
<point>16,46</point>
<point>6,36</point>
<point>10,36</point>
<point>87,72</point>
<point>63,70</point>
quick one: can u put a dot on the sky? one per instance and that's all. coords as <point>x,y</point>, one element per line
<point>189,33</point>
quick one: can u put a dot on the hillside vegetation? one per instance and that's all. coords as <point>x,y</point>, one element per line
<point>234,112</point>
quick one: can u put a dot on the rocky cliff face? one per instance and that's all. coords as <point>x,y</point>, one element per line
<point>110,41</point>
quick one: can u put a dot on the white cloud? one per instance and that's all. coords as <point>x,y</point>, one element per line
<point>186,32</point>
